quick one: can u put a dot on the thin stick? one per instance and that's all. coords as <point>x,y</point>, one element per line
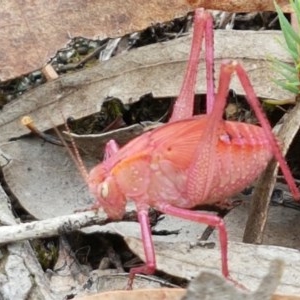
<point>49,227</point>
<point>28,122</point>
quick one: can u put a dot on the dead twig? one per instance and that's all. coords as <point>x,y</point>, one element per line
<point>49,227</point>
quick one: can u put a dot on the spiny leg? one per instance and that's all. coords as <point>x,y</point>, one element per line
<point>209,59</point>
<point>183,107</point>
<point>204,152</point>
<point>255,104</point>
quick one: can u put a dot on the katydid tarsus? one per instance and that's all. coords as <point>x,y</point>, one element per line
<point>191,160</point>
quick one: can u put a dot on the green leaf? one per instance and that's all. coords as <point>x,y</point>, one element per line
<point>296,8</point>
<point>291,37</point>
<point>289,79</point>
<point>294,54</point>
<point>278,65</point>
<point>287,86</point>
<point>285,25</point>
<point>287,75</point>
<point>284,45</point>
<point>290,74</point>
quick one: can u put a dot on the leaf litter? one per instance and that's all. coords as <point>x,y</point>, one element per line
<point>41,209</point>
<point>32,32</point>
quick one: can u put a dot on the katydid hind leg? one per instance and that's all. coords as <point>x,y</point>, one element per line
<point>209,59</point>
<point>256,106</point>
<point>150,265</point>
<point>200,174</point>
<point>208,219</point>
<point>184,105</point>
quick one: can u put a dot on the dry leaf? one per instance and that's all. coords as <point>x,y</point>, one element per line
<point>248,263</point>
<point>32,31</point>
<point>211,287</point>
<point>68,276</point>
<point>280,228</point>
<point>44,178</point>
<point>156,69</point>
<point>21,275</point>
<point>205,286</point>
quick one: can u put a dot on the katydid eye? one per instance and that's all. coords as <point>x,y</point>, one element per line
<point>104,190</point>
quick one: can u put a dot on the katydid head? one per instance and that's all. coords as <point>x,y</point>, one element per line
<point>106,190</point>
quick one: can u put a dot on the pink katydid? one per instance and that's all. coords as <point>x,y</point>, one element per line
<point>191,160</point>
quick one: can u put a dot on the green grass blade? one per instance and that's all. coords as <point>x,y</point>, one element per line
<point>296,8</point>
<point>291,37</point>
<point>287,86</point>
<point>286,26</point>
<point>279,65</point>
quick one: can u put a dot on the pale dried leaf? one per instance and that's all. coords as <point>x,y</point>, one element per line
<point>205,286</point>
<point>102,281</point>
<point>72,278</point>
<point>21,276</point>
<point>280,228</point>
<point>186,231</point>
<point>69,276</point>
<point>212,287</point>
<point>32,31</point>
<point>16,275</point>
<point>44,178</point>
<point>248,263</point>
<point>156,69</point>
